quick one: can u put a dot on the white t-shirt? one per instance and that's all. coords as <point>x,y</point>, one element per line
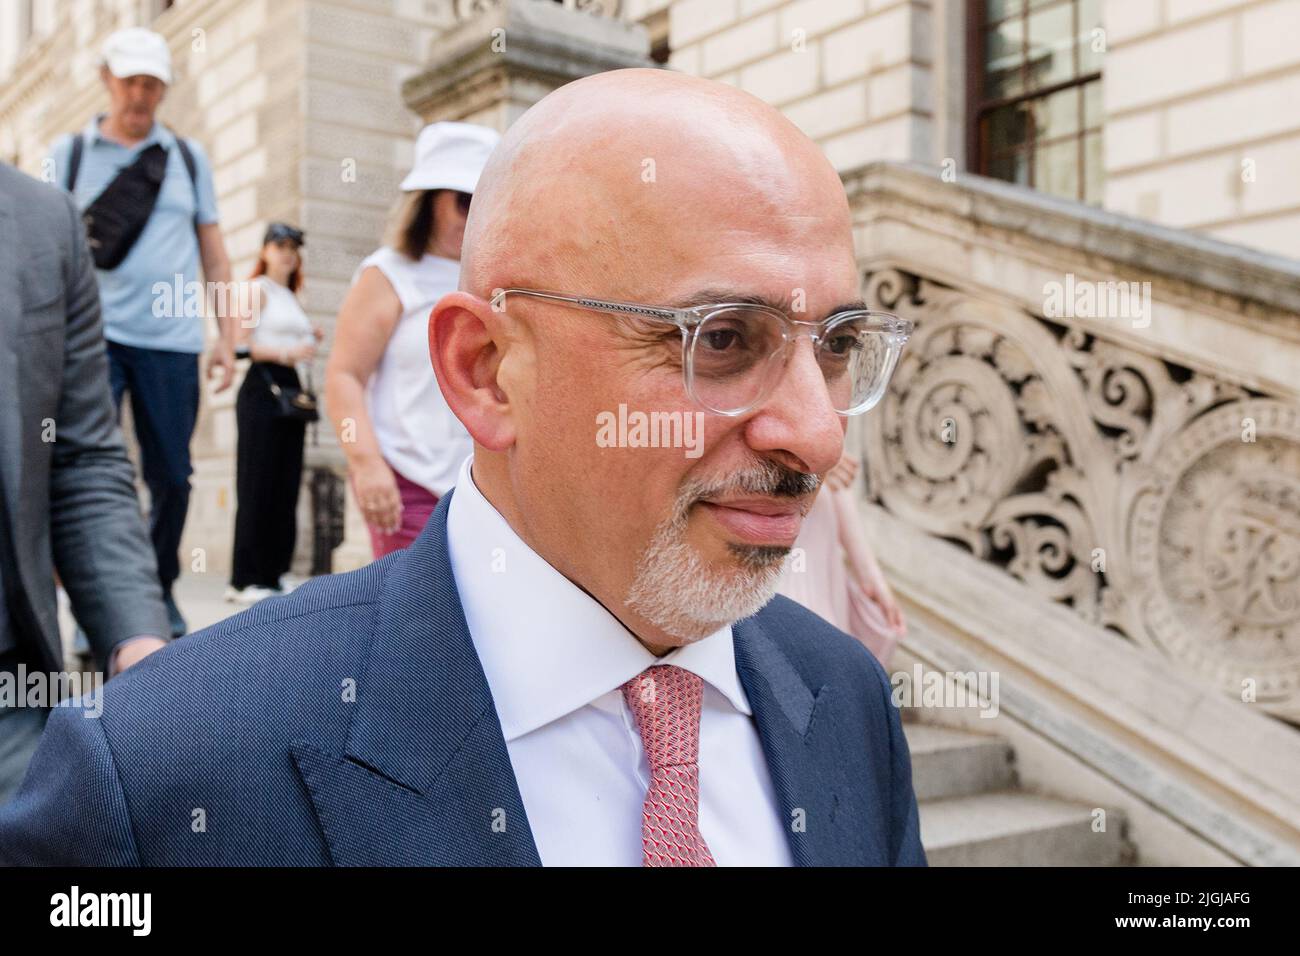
<point>282,324</point>
<point>417,432</point>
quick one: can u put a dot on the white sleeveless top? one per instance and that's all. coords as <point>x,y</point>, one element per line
<point>282,324</point>
<point>417,432</point>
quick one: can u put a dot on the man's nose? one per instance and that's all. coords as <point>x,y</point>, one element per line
<point>798,423</point>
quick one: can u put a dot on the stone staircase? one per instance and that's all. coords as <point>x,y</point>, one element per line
<point>974,813</point>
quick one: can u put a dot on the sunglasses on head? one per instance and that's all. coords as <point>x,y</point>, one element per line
<point>279,232</point>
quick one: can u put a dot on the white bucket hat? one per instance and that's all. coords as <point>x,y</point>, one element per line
<point>450,156</point>
<point>136,51</point>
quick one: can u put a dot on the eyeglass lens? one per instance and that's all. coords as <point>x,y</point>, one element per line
<point>739,354</point>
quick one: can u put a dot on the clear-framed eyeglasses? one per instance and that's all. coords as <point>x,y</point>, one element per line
<point>734,353</point>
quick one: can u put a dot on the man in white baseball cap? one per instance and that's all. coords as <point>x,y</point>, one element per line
<point>136,51</point>
<point>154,343</point>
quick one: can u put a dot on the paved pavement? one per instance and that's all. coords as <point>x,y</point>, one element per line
<point>200,598</point>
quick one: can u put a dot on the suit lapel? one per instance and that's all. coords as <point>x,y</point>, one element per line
<point>424,778</point>
<point>794,727</point>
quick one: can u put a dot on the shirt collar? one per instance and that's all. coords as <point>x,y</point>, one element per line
<point>547,647</point>
<point>157,134</point>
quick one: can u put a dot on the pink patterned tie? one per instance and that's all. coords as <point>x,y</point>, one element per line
<point>666,700</point>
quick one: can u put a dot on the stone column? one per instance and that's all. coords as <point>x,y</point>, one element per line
<point>505,55</point>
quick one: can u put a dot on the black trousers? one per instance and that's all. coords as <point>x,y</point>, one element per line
<point>268,474</point>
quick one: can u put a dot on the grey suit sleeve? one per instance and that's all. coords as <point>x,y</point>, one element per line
<point>71,809</point>
<point>96,530</point>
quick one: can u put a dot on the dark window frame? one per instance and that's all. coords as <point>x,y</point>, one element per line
<point>978,106</point>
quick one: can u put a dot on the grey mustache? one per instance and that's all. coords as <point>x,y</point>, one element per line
<point>764,477</point>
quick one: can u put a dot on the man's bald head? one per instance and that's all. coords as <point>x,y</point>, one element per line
<point>605,176</point>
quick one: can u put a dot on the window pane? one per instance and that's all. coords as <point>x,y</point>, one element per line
<point>1089,58</point>
<point>1003,58</point>
<point>1089,15</point>
<point>1001,9</point>
<point>1056,115</point>
<point>1056,169</point>
<point>1094,110</point>
<point>1051,43</point>
<point>1014,168</point>
<point>1094,171</point>
<point>1090,20</point>
<point>1006,127</point>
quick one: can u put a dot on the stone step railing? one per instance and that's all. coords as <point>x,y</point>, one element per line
<point>1086,476</point>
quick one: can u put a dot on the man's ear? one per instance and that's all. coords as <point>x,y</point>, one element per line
<point>466,344</point>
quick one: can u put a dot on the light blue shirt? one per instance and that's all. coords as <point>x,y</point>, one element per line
<point>152,299</point>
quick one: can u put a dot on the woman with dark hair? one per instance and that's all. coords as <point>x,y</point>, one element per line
<point>404,446</point>
<point>277,335</point>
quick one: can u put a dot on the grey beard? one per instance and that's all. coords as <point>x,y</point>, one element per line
<point>677,592</point>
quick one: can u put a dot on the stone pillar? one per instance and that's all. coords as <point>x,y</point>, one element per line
<point>506,55</point>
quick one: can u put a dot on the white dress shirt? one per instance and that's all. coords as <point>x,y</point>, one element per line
<point>555,661</point>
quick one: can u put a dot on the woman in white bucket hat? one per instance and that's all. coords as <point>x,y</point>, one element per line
<point>403,444</point>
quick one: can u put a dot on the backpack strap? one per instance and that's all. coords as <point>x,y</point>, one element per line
<point>187,154</point>
<point>74,161</point>
<point>192,168</point>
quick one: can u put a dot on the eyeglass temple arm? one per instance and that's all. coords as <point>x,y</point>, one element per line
<point>682,318</point>
<point>677,317</point>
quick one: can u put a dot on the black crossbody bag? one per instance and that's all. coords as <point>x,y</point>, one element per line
<point>296,403</point>
<point>117,217</point>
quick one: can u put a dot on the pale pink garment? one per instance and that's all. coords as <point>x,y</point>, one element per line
<point>826,584</point>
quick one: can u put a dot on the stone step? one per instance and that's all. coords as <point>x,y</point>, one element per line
<point>952,763</point>
<point>1013,828</point>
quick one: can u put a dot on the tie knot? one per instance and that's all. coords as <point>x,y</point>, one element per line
<point>666,701</point>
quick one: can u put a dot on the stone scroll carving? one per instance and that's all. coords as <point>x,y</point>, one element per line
<point>1154,500</point>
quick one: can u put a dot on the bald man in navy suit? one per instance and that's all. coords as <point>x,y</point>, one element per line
<point>580,660</point>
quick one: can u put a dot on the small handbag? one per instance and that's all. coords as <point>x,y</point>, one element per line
<point>296,403</point>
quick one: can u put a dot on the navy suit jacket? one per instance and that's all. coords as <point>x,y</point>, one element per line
<point>349,722</point>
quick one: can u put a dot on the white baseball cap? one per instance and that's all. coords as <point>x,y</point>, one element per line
<point>450,156</point>
<point>136,51</point>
